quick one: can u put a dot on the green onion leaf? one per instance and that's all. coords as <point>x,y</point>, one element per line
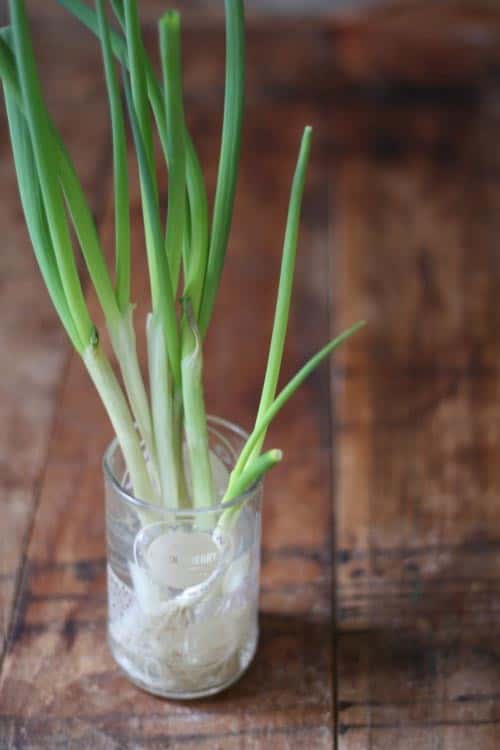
<point>8,72</point>
<point>197,196</point>
<point>285,394</point>
<point>40,134</point>
<point>120,168</point>
<point>137,67</point>
<point>61,166</point>
<point>85,229</point>
<point>36,220</point>
<point>229,155</point>
<point>161,283</point>
<point>162,411</point>
<point>170,49</point>
<point>255,470</point>
<point>285,284</point>
<point>198,220</point>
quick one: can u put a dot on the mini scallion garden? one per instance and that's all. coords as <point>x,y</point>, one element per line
<point>183,501</point>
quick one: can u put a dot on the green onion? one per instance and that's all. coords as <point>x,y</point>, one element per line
<point>36,218</point>
<point>111,395</point>
<point>36,214</point>
<point>161,283</point>
<point>283,397</point>
<point>255,470</point>
<point>121,328</point>
<point>163,412</point>
<point>8,72</point>
<point>198,203</point>
<point>285,284</point>
<point>229,154</point>
<point>171,419</point>
<point>136,57</point>
<point>86,232</point>
<point>194,411</point>
<point>39,131</point>
<point>120,168</point>
<point>172,81</point>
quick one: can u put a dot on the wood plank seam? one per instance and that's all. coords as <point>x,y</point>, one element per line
<point>332,441</point>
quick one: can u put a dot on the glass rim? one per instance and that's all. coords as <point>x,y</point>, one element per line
<point>220,507</point>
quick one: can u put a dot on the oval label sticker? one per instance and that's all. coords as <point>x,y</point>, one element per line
<point>181,559</point>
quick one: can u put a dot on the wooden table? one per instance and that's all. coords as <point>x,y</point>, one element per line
<point>380,605</point>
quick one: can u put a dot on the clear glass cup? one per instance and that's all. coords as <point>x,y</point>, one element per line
<point>183,585</point>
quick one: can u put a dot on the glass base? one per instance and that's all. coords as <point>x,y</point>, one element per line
<point>245,659</point>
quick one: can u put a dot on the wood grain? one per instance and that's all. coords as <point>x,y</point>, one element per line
<point>400,227</point>
<point>416,427</point>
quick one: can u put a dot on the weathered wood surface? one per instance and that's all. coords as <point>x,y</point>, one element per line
<point>195,12</point>
<point>400,227</point>
<point>416,423</point>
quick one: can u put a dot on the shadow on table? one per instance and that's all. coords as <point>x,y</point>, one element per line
<point>292,667</point>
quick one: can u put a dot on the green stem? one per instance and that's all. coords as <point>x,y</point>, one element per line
<point>229,155</point>
<point>116,406</point>
<point>198,202</point>
<point>170,48</point>
<point>136,58</point>
<point>120,166</point>
<point>194,412</point>
<point>123,340</point>
<point>161,388</point>
<point>8,71</point>
<point>119,324</point>
<point>159,272</point>
<point>85,229</point>
<point>256,469</point>
<point>195,270</point>
<point>178,442</point>
<point>35,216</point>
<point>282,398</point>
<point>64,170</point>
<point>285,285</point>
<point>40,134</point>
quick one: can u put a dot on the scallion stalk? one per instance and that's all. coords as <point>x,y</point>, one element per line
<point>39,131</point>
<point>159,273</point>
<point>112,397</point>
<point>36,218</point>
<point>170,49</point>
<point>203,490</point>
<point>278,403</point>
<point>136,59</point>
<point>197,197</point>
<point>229,155</point>
<point>254,471</point>
<point>120,167</point>
<point>285,284</point>
<point>37,206</point>
<point>162,408</point>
